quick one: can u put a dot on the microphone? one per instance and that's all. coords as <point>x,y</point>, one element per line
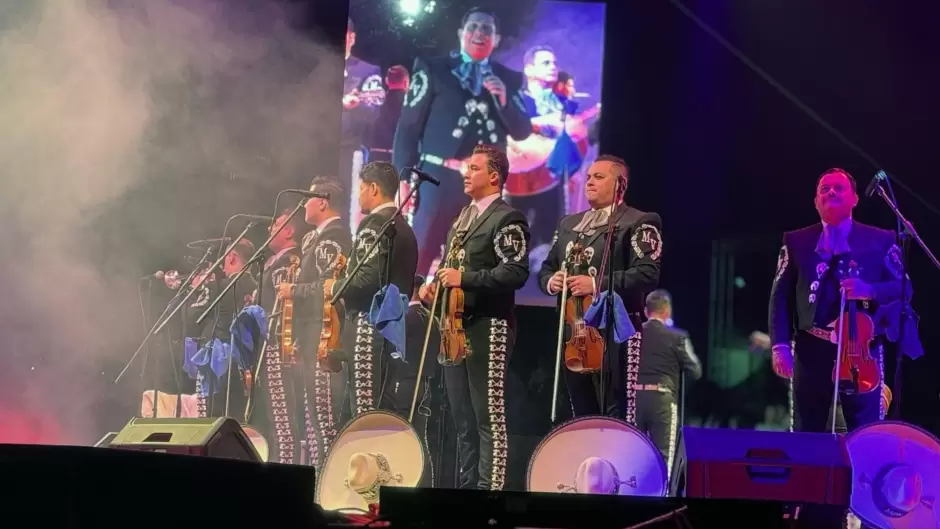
<point>424,176</point>
<point>208,243</point>
<point>156,275</point>
<point>260,218</point>
<point>307,194</point>
<point>875,183</point>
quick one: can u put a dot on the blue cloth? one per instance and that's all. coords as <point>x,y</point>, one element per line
<point>249,332</point>
<point>471,73</point>
<point>888,321</point>
<point>565,158</point>
<point>211,360</point>
<point>596,316</point>
<point>387,315</point>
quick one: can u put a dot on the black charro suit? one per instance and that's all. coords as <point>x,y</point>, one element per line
<point>281,392</point>
<point>324,391</point>
<point>393,261</point>
<point>636,266</point>
<point>494,264</point>
<point>665,354</point>
<point>804,306</point>
<point>441,119</point>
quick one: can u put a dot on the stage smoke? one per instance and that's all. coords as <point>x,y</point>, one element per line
<point>131,127</point>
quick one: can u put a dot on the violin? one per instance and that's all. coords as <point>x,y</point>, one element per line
<point>584,351</point>
<point>287,314</point>
<point>330,331</point>
<point>856,369</point>
<point>453,337</point>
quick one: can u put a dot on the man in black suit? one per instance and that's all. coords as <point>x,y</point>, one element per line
<point>281,390</point>
<point>391,262</point>
<point>805,303</point>
<point>665,354</point>
<point>490,240</point>
<point>330,239</point>
<point>636,256</point>
<point>455,103</point>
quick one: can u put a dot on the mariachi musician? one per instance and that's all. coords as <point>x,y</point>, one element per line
<point>636,264</point>
<point>279,396</point>
<point>486,262</point>
<point>392,263</point>
<point>324,250</point>
<point>814,267</point>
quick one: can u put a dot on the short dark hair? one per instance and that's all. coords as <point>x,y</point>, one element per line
<point>329,184</point>
<point>564,77</point>
<point>244,249</point>
<point>658,301</point>
<point>382,174</point>
<point>838,170</point>
<point>482,11</point>
<point>530,53</point>
<point>419,281</point>
<point>297,221</point>
<point>496,160</point>
<point>615,160</point>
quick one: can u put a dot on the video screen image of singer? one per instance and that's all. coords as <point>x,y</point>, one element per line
<point>414,96</point>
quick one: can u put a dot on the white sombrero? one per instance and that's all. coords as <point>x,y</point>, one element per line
<point>895,475</point>
<point>597,455</point>
<point>375,449</point>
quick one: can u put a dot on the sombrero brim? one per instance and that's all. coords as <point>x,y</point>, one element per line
<point>556,459</point>
<point>875,447</point>
<point>372,432</point>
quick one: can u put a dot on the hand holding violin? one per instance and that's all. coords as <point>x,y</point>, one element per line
<point>581,286</point>
<point>857,289</point>
<point>285,291</point>
<point>449,277</point>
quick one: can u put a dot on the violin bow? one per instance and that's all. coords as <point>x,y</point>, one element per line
<point>424,353</point>
<point>561,335</point>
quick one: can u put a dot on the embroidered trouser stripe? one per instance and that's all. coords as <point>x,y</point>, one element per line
<point>673,433</point>
<point>476,390</point>
<point>633,370</point>
<point>281,409</point>
<point>362,382</point>
<point>496,401</point>
<point>201,410</point>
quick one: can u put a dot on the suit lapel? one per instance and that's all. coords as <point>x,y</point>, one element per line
<point>481,218</point>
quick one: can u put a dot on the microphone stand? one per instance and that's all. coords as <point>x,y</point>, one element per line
<point>253,258</point>
<point>609,302</point>
<point>164,317</point>
<point>906,232</point>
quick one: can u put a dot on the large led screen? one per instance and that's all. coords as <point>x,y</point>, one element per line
<point>420,91</point>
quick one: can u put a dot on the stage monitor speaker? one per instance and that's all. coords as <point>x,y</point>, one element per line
<point>105,441</point>
<point>220,437</point>
<point>761,465</point>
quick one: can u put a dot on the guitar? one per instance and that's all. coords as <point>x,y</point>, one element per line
<point>532,152</point>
